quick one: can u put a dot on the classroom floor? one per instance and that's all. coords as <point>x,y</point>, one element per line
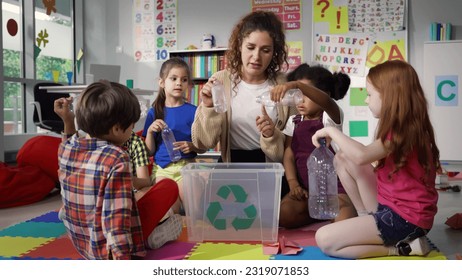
<point>447,240</point>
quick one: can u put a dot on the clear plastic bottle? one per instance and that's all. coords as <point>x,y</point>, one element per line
<point>292,98</point>
<point>218,97</point>
<point>169,139</point>
<point>323,186</point>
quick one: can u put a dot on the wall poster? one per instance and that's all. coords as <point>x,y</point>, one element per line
<point>289,11</point>
<point>351,36</point>
<point>155,29</point>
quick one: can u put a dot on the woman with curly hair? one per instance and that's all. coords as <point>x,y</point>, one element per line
<point>247,131</point>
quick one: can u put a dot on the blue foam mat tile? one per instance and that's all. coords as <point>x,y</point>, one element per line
<point>50,217</point>
<point>308,253</point>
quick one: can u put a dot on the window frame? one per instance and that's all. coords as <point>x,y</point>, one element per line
<point>28,79</point>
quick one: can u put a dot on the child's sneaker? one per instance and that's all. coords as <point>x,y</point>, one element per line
<point>417,247</point>
<point>169,230</point>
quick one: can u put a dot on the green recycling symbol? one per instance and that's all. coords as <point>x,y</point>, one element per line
<point>240,197</point>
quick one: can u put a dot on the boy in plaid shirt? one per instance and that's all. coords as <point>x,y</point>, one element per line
<point>99,209</point>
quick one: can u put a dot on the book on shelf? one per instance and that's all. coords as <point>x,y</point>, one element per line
<point>440,31</point>
<point>203,64</point>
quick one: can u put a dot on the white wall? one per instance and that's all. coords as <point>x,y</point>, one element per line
<point>422,13</point>
<point>109,24</point>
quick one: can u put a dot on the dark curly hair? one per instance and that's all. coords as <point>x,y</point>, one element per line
<point>261,21</point>
<point>335,84</point>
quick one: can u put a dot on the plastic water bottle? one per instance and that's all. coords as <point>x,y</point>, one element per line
<point>218,97</point>
<point>293,97</point>
<point>169,139</point>
<point>322,180</point>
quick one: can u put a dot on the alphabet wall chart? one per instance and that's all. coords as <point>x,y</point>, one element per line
<point>351,36</point>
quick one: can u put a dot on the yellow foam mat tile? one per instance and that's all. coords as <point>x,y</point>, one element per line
<point>433,255</point>
<point>17,246</point>
<point>226,251</point>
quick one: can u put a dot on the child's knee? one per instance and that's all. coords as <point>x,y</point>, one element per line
<point>324,240</point>
<point>169,184</point>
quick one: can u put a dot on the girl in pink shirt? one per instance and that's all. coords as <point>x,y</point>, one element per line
<point>391,181</point>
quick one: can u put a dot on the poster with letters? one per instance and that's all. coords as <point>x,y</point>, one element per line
<point>351,36</point>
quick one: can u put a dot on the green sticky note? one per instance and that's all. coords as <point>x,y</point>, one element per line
<point>358,129</point>
<point>37,51</point>
<point>358,97</point>
<point>78,65</point>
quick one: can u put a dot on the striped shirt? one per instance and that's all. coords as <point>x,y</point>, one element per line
<point>99,208</point>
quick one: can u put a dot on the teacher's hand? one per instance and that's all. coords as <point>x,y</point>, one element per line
<point>206,93</point>
<point>264,124</point>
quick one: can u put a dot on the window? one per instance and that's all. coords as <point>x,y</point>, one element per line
<point>12,34</point>
<point>39,44</point>
<point>54,42</point>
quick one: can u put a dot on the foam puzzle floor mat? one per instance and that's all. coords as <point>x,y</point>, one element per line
<point>45,238</point>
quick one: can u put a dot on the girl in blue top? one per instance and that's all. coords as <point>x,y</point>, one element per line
<point>170,109</point>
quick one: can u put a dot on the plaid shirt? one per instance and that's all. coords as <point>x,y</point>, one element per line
<point>137,151</point>
<point>99,208</point>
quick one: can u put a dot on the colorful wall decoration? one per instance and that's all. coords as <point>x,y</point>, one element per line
<point>289,11</point>
<point>155,29</point>
<point>351,36</point>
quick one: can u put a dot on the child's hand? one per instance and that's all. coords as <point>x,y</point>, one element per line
<point>322,133</point>
<point>298,193</point>
<point>157,126</point>
<point>278,92</point>
<point>62,108</point>
<point>264,124</point>
<point>184,146</point>
<point>206,93</point>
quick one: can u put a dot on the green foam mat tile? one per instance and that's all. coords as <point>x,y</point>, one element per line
<point>227,251</point>
<point>34,229</point>
<point>17,246</point>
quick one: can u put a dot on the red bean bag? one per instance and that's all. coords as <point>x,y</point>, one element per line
<point>23,185</point>
<point>42,152</point>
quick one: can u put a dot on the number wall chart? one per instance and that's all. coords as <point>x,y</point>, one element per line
<point>166,28</point>
<point>155,29</point>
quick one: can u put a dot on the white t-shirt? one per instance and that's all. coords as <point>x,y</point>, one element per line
<point>326,121</point>
<point>244,134</point>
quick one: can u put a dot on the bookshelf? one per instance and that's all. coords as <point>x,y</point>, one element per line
<point>203,63</point>
<point>440,31</point>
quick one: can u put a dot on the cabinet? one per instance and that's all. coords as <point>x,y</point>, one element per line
<point>203,63</point>
<point>441,83</point>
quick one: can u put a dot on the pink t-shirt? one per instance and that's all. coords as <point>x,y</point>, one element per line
<point>407,193</point>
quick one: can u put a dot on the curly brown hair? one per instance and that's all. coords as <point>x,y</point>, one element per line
<point>257,21</point>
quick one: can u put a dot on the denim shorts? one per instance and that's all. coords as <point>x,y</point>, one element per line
<point>394,229</point>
